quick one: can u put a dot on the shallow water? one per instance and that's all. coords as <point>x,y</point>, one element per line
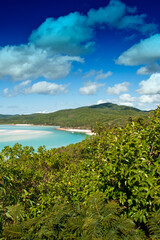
<point>37,136</point>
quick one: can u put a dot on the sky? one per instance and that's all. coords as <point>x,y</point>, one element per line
<point>66,54</point>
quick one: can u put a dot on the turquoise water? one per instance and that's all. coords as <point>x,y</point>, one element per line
<point>37,136</point>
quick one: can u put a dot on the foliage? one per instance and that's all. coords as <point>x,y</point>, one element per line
<point>106,187</point>
<point>85,117</point>
<point>98,220</point>
<point>154,225</point>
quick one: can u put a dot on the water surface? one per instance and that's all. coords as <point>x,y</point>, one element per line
<point>37,136</point>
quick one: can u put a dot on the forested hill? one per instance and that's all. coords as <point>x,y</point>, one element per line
<point>103,188</point>
<point>84,117</point>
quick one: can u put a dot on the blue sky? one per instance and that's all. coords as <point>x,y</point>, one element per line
<point>67,54</point>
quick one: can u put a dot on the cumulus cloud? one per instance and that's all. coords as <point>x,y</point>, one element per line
<point>100,101</point>
<point>150,86</point>
<point>127,98</point>
<point>149,69</point>
<point>69,34</point>
<point>101,75</point>
<point>109,15</point>
<point>6,92</point>
<point>150,99</point>
<point>21,85</point>
<point>129,104</point>
<point>124,99</point>
<point>42,87</point>
<point>46,88</point>
<point>97,74</point>
<point>118,88</point>
<point>25,61</point>
<point>74,33</point>
<point>57,43</point>
<point>144,102</point>
<point>90,88</point>
<point>137,22</point>
<point>18,89</point>
<point>145,52</point>
<point>119,15</point>
<point>89,74</point>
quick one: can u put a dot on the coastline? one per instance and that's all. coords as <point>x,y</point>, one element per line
<point>76,130</point>
<point>86,131</point>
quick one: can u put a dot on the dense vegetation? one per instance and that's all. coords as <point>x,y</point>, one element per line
<point>85,117</point>
<point>106,187</point>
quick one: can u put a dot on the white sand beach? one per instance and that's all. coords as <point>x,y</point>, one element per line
<point>86,131</point>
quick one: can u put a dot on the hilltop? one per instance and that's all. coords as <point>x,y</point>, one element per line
<point>108,114</point>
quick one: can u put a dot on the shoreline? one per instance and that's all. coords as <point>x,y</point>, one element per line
<point>76,130</point>
<point>27,125</point>
<point>73,130</point>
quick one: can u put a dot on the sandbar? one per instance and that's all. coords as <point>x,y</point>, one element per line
<point>15,135</point>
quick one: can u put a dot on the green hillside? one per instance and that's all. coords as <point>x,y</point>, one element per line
<point>84,117</point>
<point>103,188</point>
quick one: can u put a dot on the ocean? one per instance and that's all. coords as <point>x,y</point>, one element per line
<point>36,136</point>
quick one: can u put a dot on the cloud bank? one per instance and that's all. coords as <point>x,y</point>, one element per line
<point>24,62</point>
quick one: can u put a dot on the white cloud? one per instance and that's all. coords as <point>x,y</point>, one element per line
<point>18,89</point>
<point>90,88</point>
<point>6,91</point>
<point>101,75</point>
<point>144,102</point>
<point>137,22</point>
<point>118,88</point>
<point>89,74</point>
<point>69,34</point>
<point>124,99</point>
<point>150,86</point>
<point>127,98</point>
<point>149,69</point>
<point>55,44</point>
<point>21,85</point>
<point>129,104</point>
<point>100,101</point>
<point>46,88</point>
<point>43,87</point>
<point>27,62</point>
<point>120,16</point>
<point>73,34</point>
<point>147,51</point>
<point>109,15</point>
<point>150,99</point>
<point>97,74</point>
<point>44,111</point>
